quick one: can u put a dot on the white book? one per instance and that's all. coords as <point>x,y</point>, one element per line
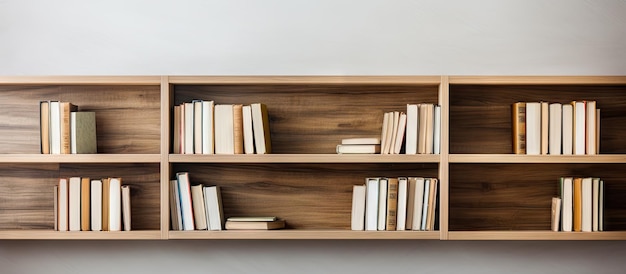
<point>595,202</point>
<point>371,204</point>
<point>418,205</point>
<point>425,207</point>
<point>394,132</point>
<point>361,141</point>
<point>567,129</point>
<point>437,133</point>
<point>186,208</point>
<point>545,120</point>
<point>199,213</point>
<point>430,128</point>
<point>411,129</point>
<point>213,198</point>
<point>224,129</point>
<point>197,126</point>
<point>382,204</point>
<point>358,207</point>
<point>400,134</point>
<point>126,209</point>
<point>402,203</point>
<point>601,207</point>
<point>533,128</point>
<point>175,214</point>
<point>567,197</point>
<point>207,127</point>
<point>181,129</point>
<point>56,208</point>
<point>115,204</point>
<point>357,149</point>
<point>55,127</point>
<point>580,115</point>
<point>383,133</point>
<point>590,146</point>
<point>63,204</point>
<point>248,133</point>
<point>96,205</point>
<point>554,134</point>
<point>74,204</point>
<point>189,127</point>
<point>587,197</point>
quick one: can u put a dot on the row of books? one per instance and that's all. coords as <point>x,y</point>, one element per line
<point>403,203</point>
<point>203,127</point>
<point>541,128</point>
<point>580,206</point>
<point>196,207</point>
<point>84,204</point>
<point>419,129</point>
<point>64,130</point>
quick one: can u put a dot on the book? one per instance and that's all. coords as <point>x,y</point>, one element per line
<point>126,208</point>
<point>208,145</point>
<point>248,133</point>
<point>432,204</point>
<point>555,213</point>
<point>96,205</point>
<point>601,207</point>
<point>394,132</point>
<point>597,131</point>
<point>386,147</point>
<point>392,203</point>
<point>578,204</point>
<point>533,128</point>
<point>595,203</point>
<point>567,129</point>
<point>555,127</point>
<point>586,204</point>
<point>430,128</point>
<point>361,141</point>
<point>400,133</point>
<point>238,128</point>
<point>545,120</point>
<point>65,110</point>
<point>424,129</point>
<point>384,131</point>
<point>358,149</point>
<point>63,207</point>
<point>410,202</point>
<point>358,208</point>
<point>402,203</point>
<point>175,214</point>
<point>264,225</point>
<point>382,203</point>
<point>189,126</point>
<point>44,126</point>
<point>83,133</point>
<point>519,127</point>
<point>426,204</point>
<point>568,206</point>
<point>197,126</point>
<point>115,204</point>
<point>579,127</point>
<point>590,131</point>
<point>213,197</point>
<point>261,128</point>
<point>371,204</point>
<point>186,207</point>
<point>176,134</point>
<point>106,189</point>
<point>199,213</point>
<point>74,203</point>
<point>411,129</point>
<point>437,133</point>
<point>85,204</point>
<point>420,194</point>
<point>55,127</point>
<point>56,207</point>
<point>252,219</point>
<point>224,129</point>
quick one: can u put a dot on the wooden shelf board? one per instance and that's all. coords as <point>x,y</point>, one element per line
<point>320,80</point>
<point>80,158</point>
<point>537,80</point>
<point>304,234</point>
<point>80,80</point>
<point>303,158</point>
<point>79,235</point>
<point>516,158</point>
<point>535,235</point>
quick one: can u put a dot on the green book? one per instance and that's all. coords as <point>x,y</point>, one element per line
<point>83,132</point>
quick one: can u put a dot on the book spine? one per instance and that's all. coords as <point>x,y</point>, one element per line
<point>392,203</point>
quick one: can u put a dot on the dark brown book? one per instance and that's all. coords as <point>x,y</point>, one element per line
<point>519,128</point>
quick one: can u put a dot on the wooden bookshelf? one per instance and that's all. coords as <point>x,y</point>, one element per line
<point>486,192</point>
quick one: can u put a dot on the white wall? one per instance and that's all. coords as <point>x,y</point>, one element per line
<point>117,37</point>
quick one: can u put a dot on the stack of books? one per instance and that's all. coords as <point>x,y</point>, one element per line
<point>580,206</point>
<point>203,127</point>
<point>196,207</point>
<point>359,146</point>
<point>403,203</point>
<point>419,130</point>
<point>254,223</point>
<point>541,128</point>
<point>84,204</point>
<point>65,130</point>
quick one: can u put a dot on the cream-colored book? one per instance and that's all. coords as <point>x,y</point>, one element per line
<point>126,208</point>
<point>199,213</point>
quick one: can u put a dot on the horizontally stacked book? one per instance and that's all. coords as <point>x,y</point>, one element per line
<point>84,204</point>
<point>581,205</point>
<point>203,127</point>
<point>541,128</point>
<point>403,203</point>
<point>196,207</point>
<point>254,223</point>
<point>65,130</point>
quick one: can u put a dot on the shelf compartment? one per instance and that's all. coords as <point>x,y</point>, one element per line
<point>304,158</point>
<point>517,197</point>
<point>293,234</point>
<point>40,234</point>
<point>309,196</point>
<point>535,235</point>
<point>80,158</point>
<point>515,158</point>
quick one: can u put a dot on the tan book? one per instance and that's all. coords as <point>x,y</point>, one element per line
<point>56,208</point>
<point>199,213</point>
<point>410,202</point>
<point>590,145</point>
<point>432,204</point>
<point>545,125</point>
<point>261,125</point>
<point>238,128</point>
<point>83,133</point>
<point>555,213</point>
<point>175,215</point>
<point>224,129</point>
<point>85,204</point>
<point>105,204</point>
<point>423,129</point>
<point>394,132</point>
<point>519,128</point>
<point>66,109</point>
<point>208,144</point>
<point>392,203</point>
<point>176,131</point>
<point>248,133</point>
<point>430,128</point>
<point>384,131</point>
<point>278,224</point>
<point>197,126</point>
<point>44,126</point>
<point>126,212</point>
<point>63,207</point>
<point>597,131</point>
<point>578,204</point>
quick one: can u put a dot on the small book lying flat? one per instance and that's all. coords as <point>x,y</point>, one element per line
<point>253,219</point>
<point>258,225</point>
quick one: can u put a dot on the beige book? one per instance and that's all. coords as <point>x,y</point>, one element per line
<point>423,129</point>
<point>208,128</point>
<point>197,126</point>
<point>96,205</point>
<point>63,204</point>
<point>533,128</point>
<point>412,128</point>
<point>580,117</point>
<point>394,132</point>
<point>74,203</point>
<point>189,127</point>
<point>199,213</point>
<point>176,130</point>
<point>65,111</point>
<point>432,204</point>
<point>590,145</point>
<point>400,135</point>
<point>224,129</point>
<point>175,216</point>
<point>56,208</point>
<point>238,129</point>
<point>545,125</point>
<point>44,126</point>
<point>126,208</point>
<point>555,128</point>
<point>261,126</point>
<point>358,207</point>
<point>567,129</point>
<point>402,203</point>
<point>248,133</point>
<point>555,213</point>
<point>85,204</point>
<point>410,202</point>
<point>430,128</point>
<point>115,204</point>
<point>213,199</point>
<point>383,133</point>
<point>267,225</point>
<point>392,203</point>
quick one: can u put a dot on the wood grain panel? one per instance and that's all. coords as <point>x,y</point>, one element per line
<point>313,119</point>
<point>127,117</point>
<point>518,196</point>
<point>307,196</point>
<point>480,115</point>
